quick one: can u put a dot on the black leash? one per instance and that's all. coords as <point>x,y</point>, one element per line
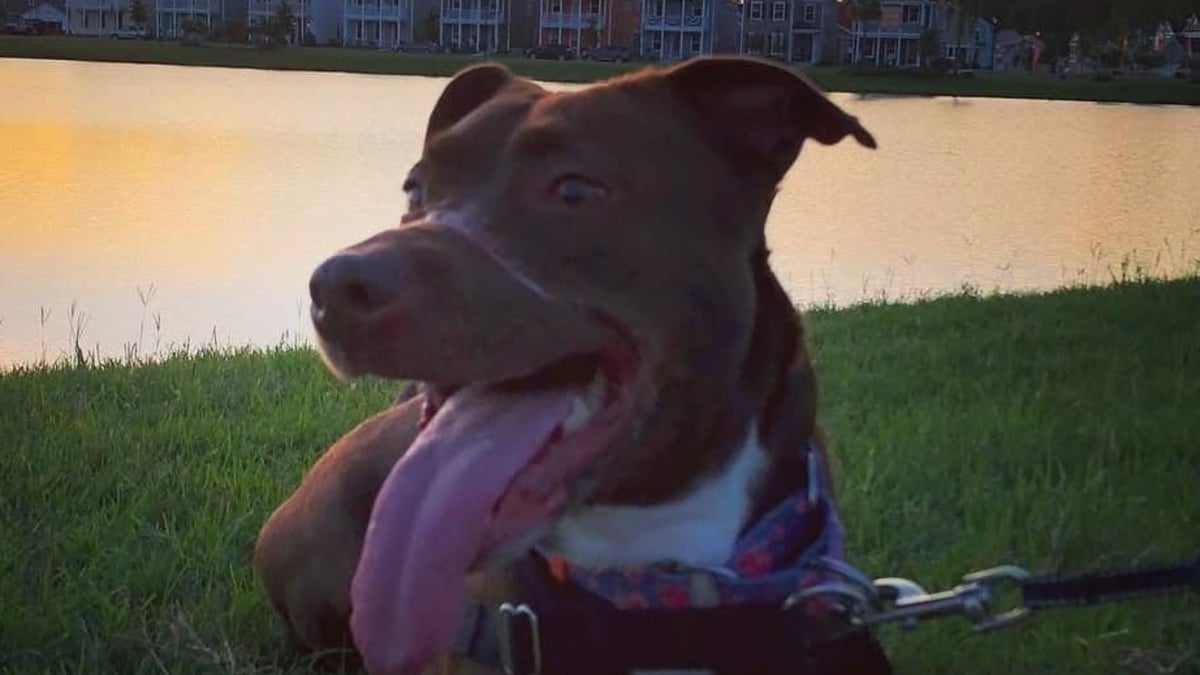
<point>1094,588</point>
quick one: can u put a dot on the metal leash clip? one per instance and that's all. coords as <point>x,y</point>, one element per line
<point>905,602</point>
<point>899,600</point>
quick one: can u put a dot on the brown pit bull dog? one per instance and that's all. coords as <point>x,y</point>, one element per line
<point>613,465</point>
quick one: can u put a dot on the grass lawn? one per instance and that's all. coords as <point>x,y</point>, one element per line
<point>1126,89</point>
<point>1056,431</point>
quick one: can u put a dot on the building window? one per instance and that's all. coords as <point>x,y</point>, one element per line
<point>657,10</point>
<point>593,7</point>
<point>912,14</point>
<point>456,5</point>
<point>810,13</point>
<point>778,11</point>
<point>697,9</point>
<point>656,41</point>
<point>756,11</point>
<point>868,48</point>
<point>696,43</point>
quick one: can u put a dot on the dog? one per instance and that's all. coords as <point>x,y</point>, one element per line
<point>615,391</point>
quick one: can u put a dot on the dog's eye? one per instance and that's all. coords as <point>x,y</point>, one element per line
<point>574,190</point>
<point>416,196</point>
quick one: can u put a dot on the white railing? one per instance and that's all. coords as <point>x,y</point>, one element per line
<point>568,20</point>
<point>873,28</point>
<point>198,6</point>
<point>675,21</point>
<point>111,5</point>
<point>472,15</point>
<point>259,7</point>
<point>387,10</point>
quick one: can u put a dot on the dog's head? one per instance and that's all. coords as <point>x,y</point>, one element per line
<point>581,282</point>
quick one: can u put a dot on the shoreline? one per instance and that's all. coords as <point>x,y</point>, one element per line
<point>79,357</point>
<point>1125,89</point>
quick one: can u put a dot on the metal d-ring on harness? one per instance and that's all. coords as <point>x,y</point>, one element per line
<point>898,600</point>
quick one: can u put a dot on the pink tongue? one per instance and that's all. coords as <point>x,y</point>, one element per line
<point>433,518</point>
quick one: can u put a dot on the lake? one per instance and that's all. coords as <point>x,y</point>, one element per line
<point>160,205</point>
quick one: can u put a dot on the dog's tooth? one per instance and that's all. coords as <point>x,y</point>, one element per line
<point>596,390</point>
<point>580,414</point>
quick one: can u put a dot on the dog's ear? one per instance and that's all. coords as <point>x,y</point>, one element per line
<point>469,89</point>
<point>759,113</point>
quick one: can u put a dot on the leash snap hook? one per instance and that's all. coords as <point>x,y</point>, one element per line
<point>530,658</point>
<point>909,603</point>
<point>987,580</point>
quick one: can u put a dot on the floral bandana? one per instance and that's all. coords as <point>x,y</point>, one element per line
<point>771,560</point>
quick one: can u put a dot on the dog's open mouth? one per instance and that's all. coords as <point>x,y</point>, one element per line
<point>492,463</point>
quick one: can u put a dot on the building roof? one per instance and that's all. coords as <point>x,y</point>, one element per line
<point>45,12</point>
<point>1191,27</point>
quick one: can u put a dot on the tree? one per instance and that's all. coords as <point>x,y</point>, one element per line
<point>590,34</point>
<point>284,22</point>
<point>137,13</point>
<point>862,11</point>
<point>931,42</point>
<point>191,31</point>
<point>431,26</point>
<point>967,12</point>
<point>1056,20</point>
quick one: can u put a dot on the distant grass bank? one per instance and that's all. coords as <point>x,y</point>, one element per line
<point>1055,431</point>
<point>1123,89</point>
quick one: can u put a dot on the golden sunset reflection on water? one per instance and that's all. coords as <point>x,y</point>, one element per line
<point>224,188</point>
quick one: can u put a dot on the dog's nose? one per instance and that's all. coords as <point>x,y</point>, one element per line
<point>350,284</point>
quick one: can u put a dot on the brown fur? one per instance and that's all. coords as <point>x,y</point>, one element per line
<point>674,258</point>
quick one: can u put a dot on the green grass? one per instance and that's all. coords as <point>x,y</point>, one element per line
<point>1055,431</point>
<point>1122,89</point>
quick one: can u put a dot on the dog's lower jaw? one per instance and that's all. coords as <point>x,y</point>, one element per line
<point>335,359</point>
<point>697,530</point>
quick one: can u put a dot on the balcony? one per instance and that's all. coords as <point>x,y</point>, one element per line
<point>386,10</point>
<point>572,21</point>
<point>889,29</point>
<point>677,21</point>
<point>264,7</point>
<point>194,6</point>
<point>111,5</point>
<point>472,15</point>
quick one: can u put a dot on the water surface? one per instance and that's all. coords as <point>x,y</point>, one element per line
<point>179,205</point>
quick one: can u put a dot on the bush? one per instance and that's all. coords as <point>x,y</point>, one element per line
<point>1149,60</point>
<point>1102,76</point>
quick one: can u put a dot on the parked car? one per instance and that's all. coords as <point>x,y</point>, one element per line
<point>609,53</point>
<point>554,52</point>
<point>418,48</point>
<point>129,33</point>
<point>19,26</point>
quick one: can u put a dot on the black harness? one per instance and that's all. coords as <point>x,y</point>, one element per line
<point>558,629</point>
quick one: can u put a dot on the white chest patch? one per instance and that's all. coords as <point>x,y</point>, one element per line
<point>698,529</point>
